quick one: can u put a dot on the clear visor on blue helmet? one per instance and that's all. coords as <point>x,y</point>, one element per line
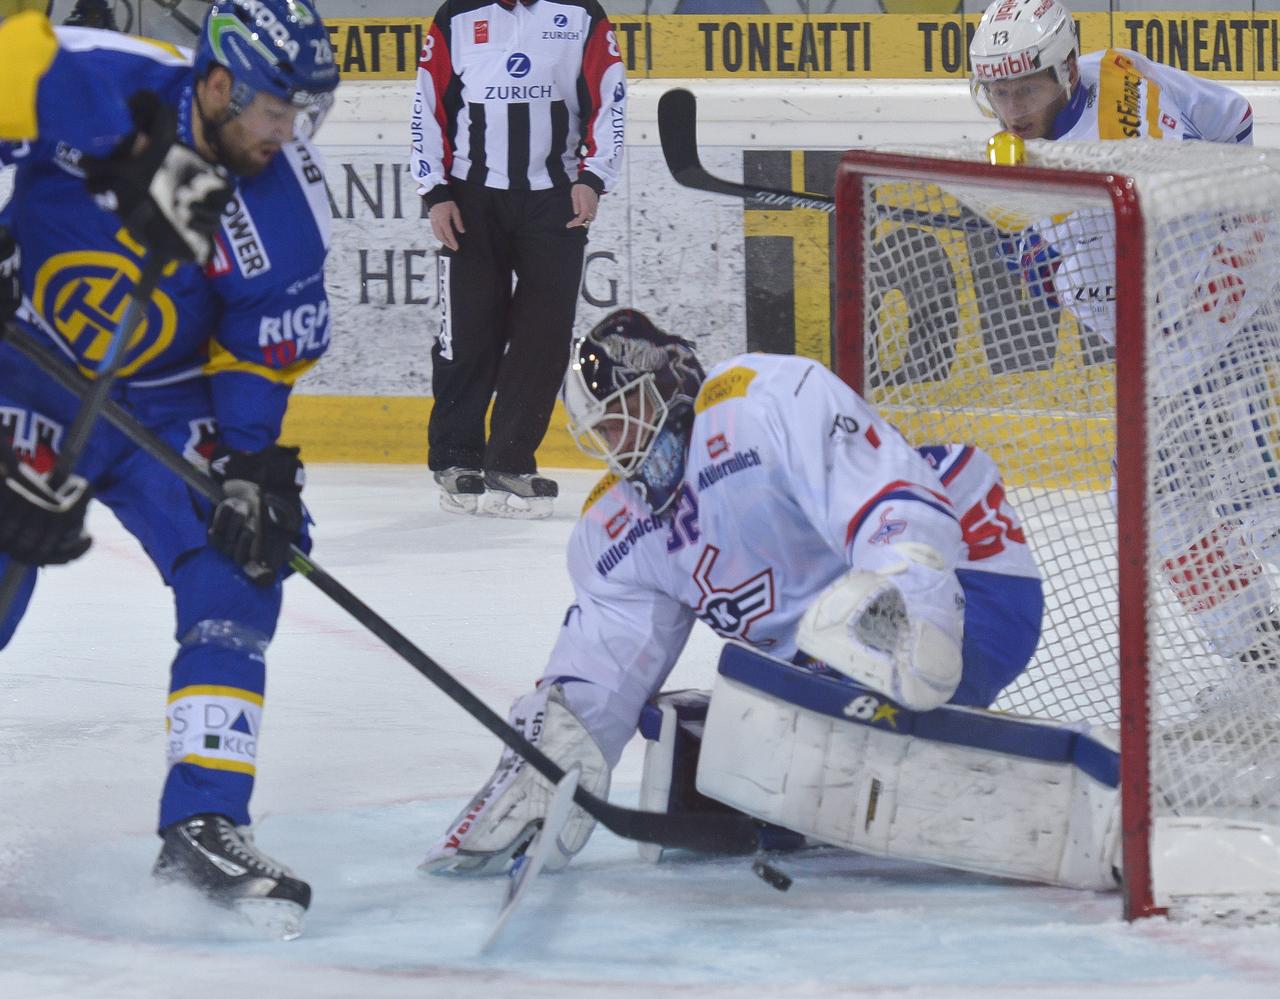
<point>266,116</point>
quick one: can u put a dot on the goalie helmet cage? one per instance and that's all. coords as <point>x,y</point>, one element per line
<point>979,304</point>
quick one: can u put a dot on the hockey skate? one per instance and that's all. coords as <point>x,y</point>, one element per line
<point>518,497</point>
<point>460,489</point>
<point>212,855</point>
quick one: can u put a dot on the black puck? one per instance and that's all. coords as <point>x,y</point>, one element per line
<point>770,875</point>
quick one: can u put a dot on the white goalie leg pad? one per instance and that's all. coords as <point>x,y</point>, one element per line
<point>501,820</point>
<point>898,630</point>
<point>848,775</point>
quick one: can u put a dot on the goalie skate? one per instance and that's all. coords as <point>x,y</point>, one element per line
<point>212,855</point>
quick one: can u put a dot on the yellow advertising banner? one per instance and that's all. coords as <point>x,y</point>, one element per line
<point>1220,44</point>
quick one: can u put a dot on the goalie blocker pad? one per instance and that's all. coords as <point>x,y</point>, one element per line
<point>959,787</point>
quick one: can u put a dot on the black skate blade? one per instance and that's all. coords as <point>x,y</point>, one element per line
<point>273,918</point>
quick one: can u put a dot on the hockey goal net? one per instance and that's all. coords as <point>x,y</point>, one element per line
<point>1105,321</point>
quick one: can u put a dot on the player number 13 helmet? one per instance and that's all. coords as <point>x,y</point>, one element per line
<point>1018,38</point>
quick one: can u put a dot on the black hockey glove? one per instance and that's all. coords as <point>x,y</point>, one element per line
<point>40,525</point>
<point>10,289</point>
<point>262,513</point>
<point>170,199</point>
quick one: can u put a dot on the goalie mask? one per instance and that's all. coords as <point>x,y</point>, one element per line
<point>629,392</point>
<point>1021,58</point>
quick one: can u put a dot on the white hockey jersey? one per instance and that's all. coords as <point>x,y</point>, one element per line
<point>1124,95</point>
<point>792,479</point>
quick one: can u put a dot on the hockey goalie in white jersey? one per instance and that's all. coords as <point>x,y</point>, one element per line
<point>868,584</point>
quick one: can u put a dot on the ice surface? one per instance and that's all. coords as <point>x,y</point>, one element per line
<point>363,762</point>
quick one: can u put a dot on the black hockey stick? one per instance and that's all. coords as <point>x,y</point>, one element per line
<point>707,832</point>
<point>678,132</point>
<point>92,400</point>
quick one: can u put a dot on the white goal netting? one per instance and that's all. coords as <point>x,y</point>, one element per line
<point>1003,310</point>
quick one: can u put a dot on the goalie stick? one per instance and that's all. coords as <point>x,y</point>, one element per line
<point>529,863</point>
<point>706,832</point>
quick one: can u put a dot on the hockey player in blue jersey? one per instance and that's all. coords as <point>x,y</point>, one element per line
<point>238,317</point>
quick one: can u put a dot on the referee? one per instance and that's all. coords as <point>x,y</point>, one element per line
<point>517,130</point>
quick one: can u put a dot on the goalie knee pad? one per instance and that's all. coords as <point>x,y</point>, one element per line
<point>500,822</point>
<point>897,630</point>
<point>672,726</point>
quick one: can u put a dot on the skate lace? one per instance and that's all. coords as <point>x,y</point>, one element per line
<point>239,845</point>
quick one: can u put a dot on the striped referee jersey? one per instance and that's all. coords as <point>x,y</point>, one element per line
<point>518,95</point>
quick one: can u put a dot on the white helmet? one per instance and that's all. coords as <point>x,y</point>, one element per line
<point>1018,38</point>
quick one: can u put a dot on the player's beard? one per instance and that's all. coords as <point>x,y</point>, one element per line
<point>242,155</point>
<point>235,149</point>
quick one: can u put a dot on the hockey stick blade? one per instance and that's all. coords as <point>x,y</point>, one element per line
<point>530,863</point>
<point>677,130</point>
<point>678,133</point>
<point>706,832</point>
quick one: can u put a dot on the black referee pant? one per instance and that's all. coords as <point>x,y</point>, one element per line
<point>500,341</point>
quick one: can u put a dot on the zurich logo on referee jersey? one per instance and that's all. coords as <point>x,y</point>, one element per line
<point>519,64</point>
<point>560,20</point>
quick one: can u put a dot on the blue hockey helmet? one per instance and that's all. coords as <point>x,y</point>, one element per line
<point>276,47</point>
<point>629,392</point>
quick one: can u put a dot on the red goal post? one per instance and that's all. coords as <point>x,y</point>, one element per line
<point>1107,300</point>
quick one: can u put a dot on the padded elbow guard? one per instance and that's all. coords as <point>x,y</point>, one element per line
<point>898,631</point>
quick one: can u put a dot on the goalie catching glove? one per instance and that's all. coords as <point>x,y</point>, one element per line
<point>261,516</point>
<point>40,524</point>
<point>897,630</point>
<point>168,196</point>
<point>501,821</point>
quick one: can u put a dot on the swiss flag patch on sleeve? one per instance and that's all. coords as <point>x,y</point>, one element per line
<point>482,32</point>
